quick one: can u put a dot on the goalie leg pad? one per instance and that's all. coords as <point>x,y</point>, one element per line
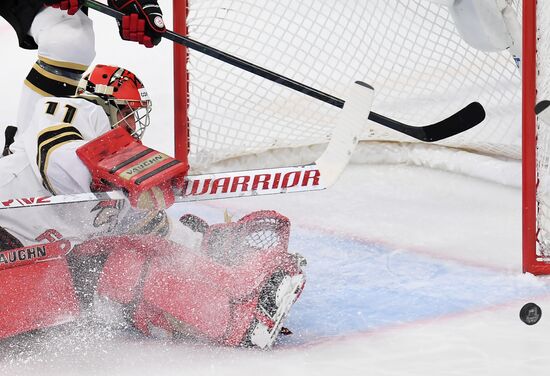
<point>231,306</point>
<point>173,290</point>
<point>38,289</point>
<point>161,280</point>
<point>232,243</point>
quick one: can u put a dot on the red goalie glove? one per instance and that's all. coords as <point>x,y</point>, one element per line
<point>71,6</point>
<point>143,22</point>
<point>147,176</point>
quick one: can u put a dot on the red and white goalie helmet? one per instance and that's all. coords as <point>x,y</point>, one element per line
<point>122,96</point>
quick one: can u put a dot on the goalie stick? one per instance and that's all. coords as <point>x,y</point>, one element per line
<point>466,118</point>
<point>315,176</point>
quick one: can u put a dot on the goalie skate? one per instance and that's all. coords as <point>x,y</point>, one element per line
<point>275,301</point>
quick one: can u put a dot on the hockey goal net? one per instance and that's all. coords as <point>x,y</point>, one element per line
<point>408,50</point>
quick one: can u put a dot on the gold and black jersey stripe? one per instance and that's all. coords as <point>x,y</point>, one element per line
<point>50,78</point>
<point>50,139</point>
<point>73,68</point>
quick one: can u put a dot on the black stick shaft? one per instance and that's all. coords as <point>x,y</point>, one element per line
<point>230,59</point>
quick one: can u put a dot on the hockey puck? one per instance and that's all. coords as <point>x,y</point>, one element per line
<point>530,313</point>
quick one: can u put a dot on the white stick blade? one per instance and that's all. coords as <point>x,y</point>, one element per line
<point>348,127</point>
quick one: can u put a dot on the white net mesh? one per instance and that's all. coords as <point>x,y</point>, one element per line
<point>408,50</point>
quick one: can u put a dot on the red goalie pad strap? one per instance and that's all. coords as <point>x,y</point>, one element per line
<point>118,159</point>
<point>24,256</point>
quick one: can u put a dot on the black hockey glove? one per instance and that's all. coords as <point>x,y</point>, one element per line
<point>143,22</point>
<point>71,6</point>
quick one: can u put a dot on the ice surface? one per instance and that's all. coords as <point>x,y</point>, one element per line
<point>411,272</point>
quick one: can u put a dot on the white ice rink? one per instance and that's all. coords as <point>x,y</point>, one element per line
<point>411,271</point>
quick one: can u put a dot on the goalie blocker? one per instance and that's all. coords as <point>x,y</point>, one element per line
<point>236,291</point>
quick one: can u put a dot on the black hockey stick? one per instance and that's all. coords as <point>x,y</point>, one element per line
<point>466,118</point>
<point>541,106</point>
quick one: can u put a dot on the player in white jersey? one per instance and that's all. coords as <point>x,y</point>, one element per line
<point>44,160</point>
<point>232,283</point>
<point>65,42</point>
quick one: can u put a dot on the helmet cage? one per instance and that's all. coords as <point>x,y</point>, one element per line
<point>133,114</point>
<point>121,111</point>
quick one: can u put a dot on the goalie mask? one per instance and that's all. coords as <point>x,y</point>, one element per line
<point>122,96</point>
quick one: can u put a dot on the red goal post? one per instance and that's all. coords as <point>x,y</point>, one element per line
<point>536,141</point>
<point>181,84</point>
<point>529,93</point>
